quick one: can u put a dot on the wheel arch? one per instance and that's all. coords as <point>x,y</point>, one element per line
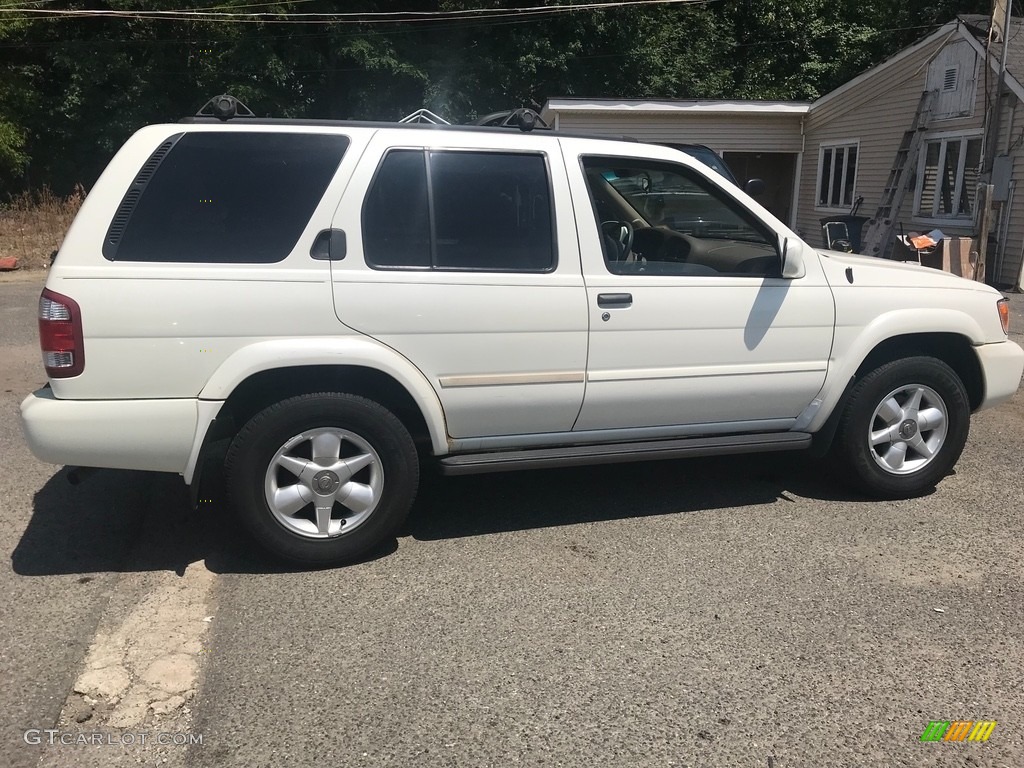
<point>263,389</point>
<point>262,374</point>
<point>954,349</point>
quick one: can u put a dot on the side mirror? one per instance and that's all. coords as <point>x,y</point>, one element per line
<point>792,260</point>
<point>754,187</point>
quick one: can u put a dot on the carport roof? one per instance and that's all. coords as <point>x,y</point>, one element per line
<point>657,106</point>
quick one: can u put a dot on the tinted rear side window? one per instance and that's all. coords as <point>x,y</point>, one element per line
<point>227,198</point>
<point>491,211</point>
<point>460,211</point>
<point>396,218</point>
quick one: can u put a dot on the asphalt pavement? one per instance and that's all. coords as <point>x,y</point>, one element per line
<point>744,611</point>
<point>65,547</point>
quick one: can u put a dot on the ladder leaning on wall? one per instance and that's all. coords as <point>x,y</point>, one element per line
<point>878,240</point>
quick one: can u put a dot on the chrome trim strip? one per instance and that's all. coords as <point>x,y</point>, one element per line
<point>704,371</point>
<point>512,379</point>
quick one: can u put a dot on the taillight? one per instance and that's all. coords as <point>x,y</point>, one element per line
<point>1004,314</point>
<point>60,335</point>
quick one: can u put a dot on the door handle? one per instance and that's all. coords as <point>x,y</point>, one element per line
<point>610,300</point>
<point>329,245</point>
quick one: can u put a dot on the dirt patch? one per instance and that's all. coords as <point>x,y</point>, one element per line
<point>24,276</point>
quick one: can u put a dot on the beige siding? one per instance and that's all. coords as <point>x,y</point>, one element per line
<point>723,133</point>
<point>877,112</point>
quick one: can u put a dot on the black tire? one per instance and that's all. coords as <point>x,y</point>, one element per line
<point>869,467</point>
<point>369,430</point>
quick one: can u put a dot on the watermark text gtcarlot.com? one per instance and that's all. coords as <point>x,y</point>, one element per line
<point>53,737</point>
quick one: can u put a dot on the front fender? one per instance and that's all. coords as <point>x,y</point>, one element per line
<point>853,344</point>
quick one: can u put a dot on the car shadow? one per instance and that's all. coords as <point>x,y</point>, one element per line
<point>119,521</point>
<point>453,507</point>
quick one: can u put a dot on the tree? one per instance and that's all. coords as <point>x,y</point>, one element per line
<point>73,89</point>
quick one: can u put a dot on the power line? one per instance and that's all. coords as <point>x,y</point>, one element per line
<point>383,34</point>
<point>394,31</point>
<point>374,17</point>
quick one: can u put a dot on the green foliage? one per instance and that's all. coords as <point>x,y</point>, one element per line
<point>73,89</point>
<point>12,148</point>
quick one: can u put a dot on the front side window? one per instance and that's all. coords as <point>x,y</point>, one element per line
<point>224,197</point>
<point>661,218</point>
<point>948,177</point>
<point>460,211</point>
<point>837,175</point>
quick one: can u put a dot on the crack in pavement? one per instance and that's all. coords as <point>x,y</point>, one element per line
<point>140,675</point>
<point>149,665</point>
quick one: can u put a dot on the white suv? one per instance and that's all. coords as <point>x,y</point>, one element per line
<point>341,301</point>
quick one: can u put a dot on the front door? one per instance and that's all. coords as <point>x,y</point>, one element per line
<point>692,325</point>
<point>465,261</point>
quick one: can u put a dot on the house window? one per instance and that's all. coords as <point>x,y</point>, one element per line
<point>837,175</point>
<point>948,177</point>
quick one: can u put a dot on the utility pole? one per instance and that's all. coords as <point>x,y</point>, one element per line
<point>994,119</point>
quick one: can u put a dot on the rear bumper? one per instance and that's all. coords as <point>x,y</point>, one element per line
<point>1001,366</point>
<point>153,435</point>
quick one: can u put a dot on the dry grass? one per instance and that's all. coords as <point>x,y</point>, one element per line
<point>32,225</point>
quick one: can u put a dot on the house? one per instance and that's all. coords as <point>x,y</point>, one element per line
<point>820,158</point>
<point>758,139</point>
<point>852,134</point>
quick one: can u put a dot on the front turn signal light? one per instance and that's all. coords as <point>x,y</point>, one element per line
<point>1004,314</point>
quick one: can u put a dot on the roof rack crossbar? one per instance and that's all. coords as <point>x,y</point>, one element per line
<point>424,116</point>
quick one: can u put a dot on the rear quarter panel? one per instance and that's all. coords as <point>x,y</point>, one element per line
<point>160,330</point>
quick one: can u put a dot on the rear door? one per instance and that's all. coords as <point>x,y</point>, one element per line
<point>462,256</point>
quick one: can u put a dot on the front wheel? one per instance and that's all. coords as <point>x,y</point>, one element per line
<point>903,427</point>
<point>322,479</point>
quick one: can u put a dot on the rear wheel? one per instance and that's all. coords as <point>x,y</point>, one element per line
<point>322,479</point>
<point>903,427</point>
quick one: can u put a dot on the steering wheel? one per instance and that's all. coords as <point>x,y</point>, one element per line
<point>622,233</point>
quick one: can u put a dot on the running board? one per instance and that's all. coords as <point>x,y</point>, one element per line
<point>615,453</point>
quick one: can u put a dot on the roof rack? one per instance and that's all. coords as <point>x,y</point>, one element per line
<point>524,119</point>
<point>424,116</point>
<point>224,107</point>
